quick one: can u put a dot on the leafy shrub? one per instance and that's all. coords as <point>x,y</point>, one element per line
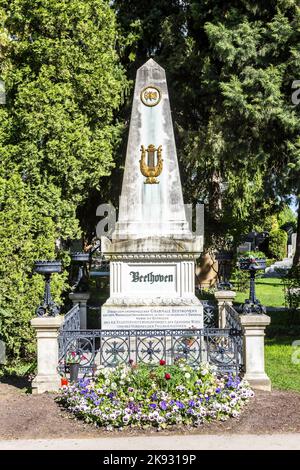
<point>240,279</point>
<point>206,294</point>
<point>57,140</point>
<point>143,396</point>
<point>27,233</point>
<point>270,261</point>
<point>291,284</point>
<point>252,254</point>
<point>277,244</point>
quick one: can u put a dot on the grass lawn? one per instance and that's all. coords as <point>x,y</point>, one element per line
<point>268,290</point>
<point>279,353</point>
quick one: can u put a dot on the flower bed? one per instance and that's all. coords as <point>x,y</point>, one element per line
<point>160,396</point>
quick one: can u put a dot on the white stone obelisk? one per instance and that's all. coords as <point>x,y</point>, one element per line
<point>152,252</point>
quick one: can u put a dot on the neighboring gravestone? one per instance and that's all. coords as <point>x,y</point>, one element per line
<point>152,252</point>
<point>2,92</point>
<point>244,247</point>
<point>294,241</point>
<point>2,352</point>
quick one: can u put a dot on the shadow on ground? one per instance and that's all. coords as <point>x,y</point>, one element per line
<point>16,381</point>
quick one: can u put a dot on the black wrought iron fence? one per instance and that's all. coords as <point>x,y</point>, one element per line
<point>210,314</point>
<point>72,319</point>
<point>219,347</point>
<point>234,324</point>
<point>232,318</point>
<point>222,348</point>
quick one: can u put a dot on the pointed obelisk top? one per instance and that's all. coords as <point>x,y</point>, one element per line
<point>151,204</point>
<point>151,64</point>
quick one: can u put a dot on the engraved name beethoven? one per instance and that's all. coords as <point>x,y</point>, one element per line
<point>150,277</point>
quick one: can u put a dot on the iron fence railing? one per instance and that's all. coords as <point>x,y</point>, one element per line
<point>232,318</point>
<point>234,324</point>
<point>222,348</point>
<point>219,347</point>
<point>72,319</point>
<point>210,314</point>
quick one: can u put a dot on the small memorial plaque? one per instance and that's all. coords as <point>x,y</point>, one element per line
<point>150,279</point>
<point>131,318</point>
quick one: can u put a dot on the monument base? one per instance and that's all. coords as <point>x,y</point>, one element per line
<point>151,317</point>
<point>150,290</point>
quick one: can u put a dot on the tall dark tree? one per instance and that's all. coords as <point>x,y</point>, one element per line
<point>230,66</point>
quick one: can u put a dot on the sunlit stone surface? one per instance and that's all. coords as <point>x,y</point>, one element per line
<point>152,251</point>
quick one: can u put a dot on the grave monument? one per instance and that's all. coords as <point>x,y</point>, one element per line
<point>152,251</point>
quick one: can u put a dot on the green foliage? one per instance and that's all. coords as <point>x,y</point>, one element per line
<point>27,233</point>
<point>292,287</point>
<point>19,370</point>
<point>270,261</point>
<point>252,254</point>
<point>63,82</point>
<point>287,216</point>
<point>278,244</point>
<point>269,223</point>
<point>240,279</point>
<point>284,218</point>
<point>230,66</point>
<point>288,318</point>
<point>58,135</point>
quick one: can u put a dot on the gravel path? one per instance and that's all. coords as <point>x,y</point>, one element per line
<point>158,442</point>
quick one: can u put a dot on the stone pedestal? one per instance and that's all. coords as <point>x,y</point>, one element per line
<point>222,297</point>
<point>254,357</point>
<point>47,330</point>
<point>81,298</point>
<point>152,291</point>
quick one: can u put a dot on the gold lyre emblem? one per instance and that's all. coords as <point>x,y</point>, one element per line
<point>151,169</point>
